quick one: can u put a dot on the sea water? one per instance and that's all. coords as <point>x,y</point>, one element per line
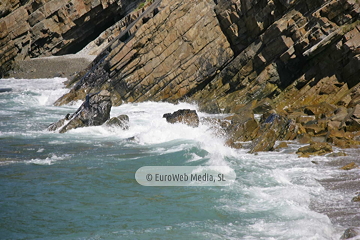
<point>81,184</point>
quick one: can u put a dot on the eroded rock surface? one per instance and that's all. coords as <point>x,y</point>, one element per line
<point>93,112</point>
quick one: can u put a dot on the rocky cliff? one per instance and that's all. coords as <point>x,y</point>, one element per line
<point>296,62</point>
<point>297,59</point>
<point>233,52</point>
<point>33,28</point>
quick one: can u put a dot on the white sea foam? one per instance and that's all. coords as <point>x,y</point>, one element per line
<point>273,189</point>
<point>149,127</point>
<point>52,159</point>
<point>37,92</point>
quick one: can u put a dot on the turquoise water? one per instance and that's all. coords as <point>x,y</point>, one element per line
<point>81,185</point>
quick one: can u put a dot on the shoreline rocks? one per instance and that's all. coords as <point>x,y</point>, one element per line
<point>315,148</point>
<point>185,116</point>
<point>121,121</point>
<point>94,111</point>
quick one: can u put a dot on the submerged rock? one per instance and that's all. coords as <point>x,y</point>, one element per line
<point>185,116</point>
<point>121,121</point>
<point>93,112</point>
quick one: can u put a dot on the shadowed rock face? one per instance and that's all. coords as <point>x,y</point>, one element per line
<point>53,27</point>
<point>93,112</point>
<point>168,58</point>
<point>225,55</point>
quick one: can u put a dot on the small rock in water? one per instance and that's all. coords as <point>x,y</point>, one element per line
<point>349,166</point>
<point>5,90</point>
<point>121,121</point>
<point>186,116</point>
<point>350,233</point>
<point>93,112</point>
<point>356,198</point>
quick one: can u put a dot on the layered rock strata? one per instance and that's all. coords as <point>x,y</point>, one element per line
<point>298,60</point>
<point>36,28</point>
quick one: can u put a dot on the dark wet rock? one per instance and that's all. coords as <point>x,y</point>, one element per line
<point>185,116</point>
<point>349,166</point>
<point>352,125</point>
<point>94,111</point>
<point>121,121</point>
<point>350,233</point>
<point>315,148</point>
<point>131,139</point>
<point>5,90</point>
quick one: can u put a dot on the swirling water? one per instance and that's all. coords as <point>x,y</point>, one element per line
<point>81,185</point>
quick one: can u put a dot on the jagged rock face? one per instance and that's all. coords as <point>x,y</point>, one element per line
<point>185,116</point>
<point>298,59</point>
<point>168,58</point>
<point>93,112</point>
<point>307,56</point>
<point>295,53</point>
<point>53,27</point>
